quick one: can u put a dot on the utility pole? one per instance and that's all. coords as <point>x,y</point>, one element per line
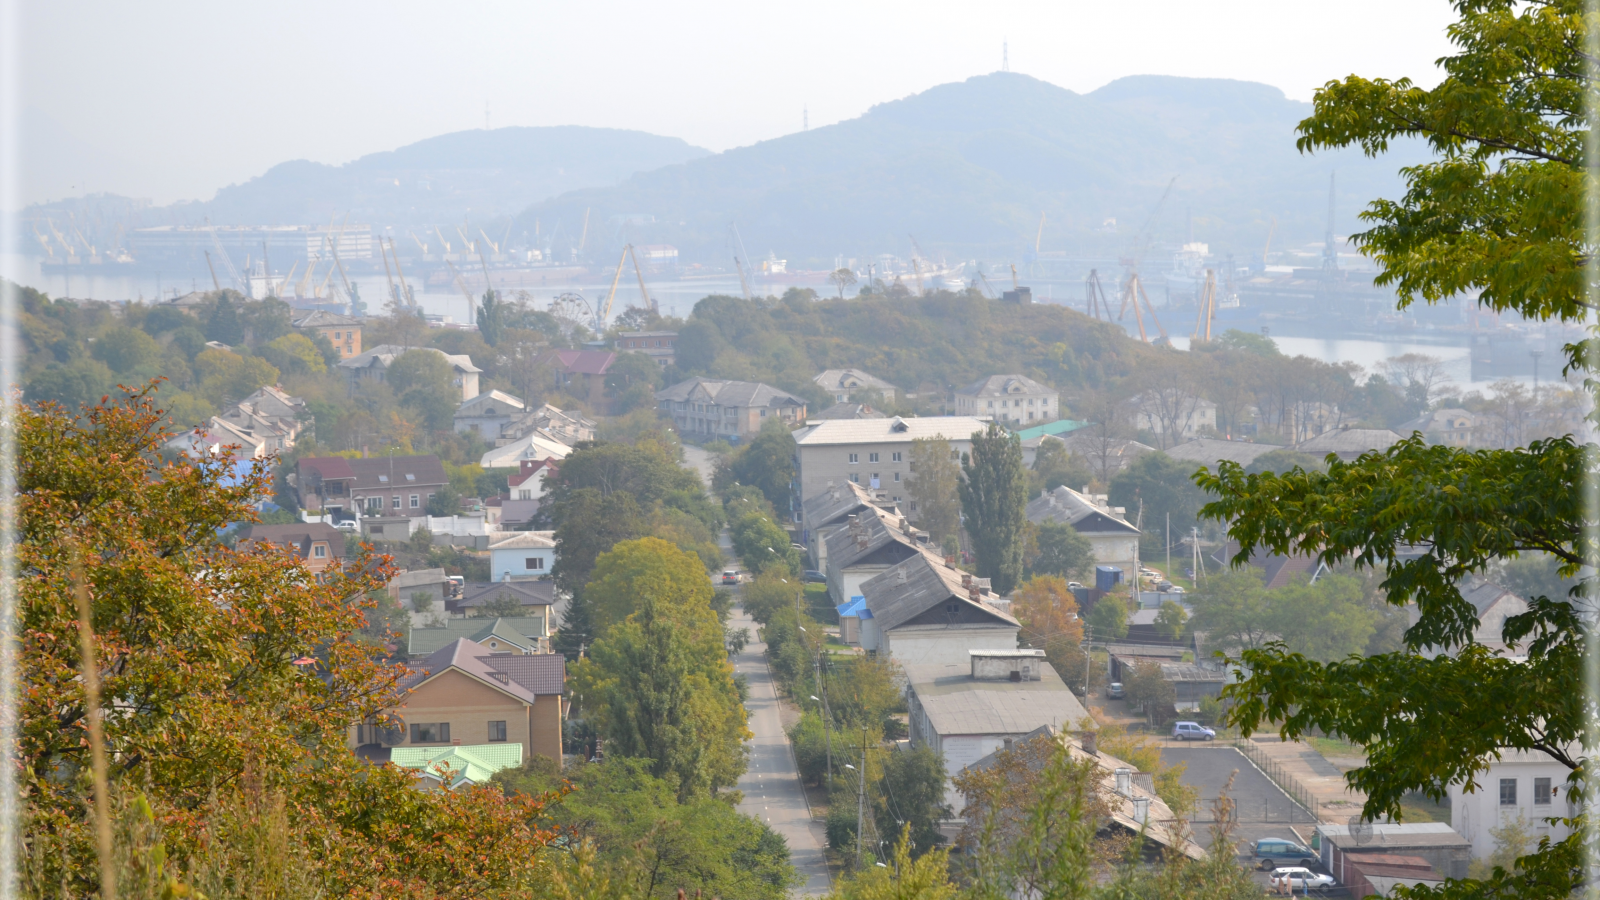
<point>1169,546</point>
<point>861,796</point>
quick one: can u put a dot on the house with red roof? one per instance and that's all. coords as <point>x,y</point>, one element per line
<point>581,373</point>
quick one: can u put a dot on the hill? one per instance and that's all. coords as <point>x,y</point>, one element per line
<point>481,174</point>
<point>969,167</point>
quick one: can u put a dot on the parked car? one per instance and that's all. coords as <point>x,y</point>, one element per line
<point>730,576</point>
<point>1192,731</point>
<point>1114,691</point>
<point>1270,849</point>
<point>1074,586</point>
<point>347,525</point>
<point>1176,589</point>
<point>1299,878</point>
<point>812,576</point>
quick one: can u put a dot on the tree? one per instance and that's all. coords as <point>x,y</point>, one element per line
<point>924,877</point>
<point>1231,608</point>
<point>1148,690</point>
<point>1108,619</point>
<point>648,840</point>
<point>295,352</point>
<point>423,380</point>
<point>126,349</point>
<point>660,687</point>
<point>766,463</point>
<point>225,375</point>
<point>1054,466</point>
<point>631,382</point>
<point>911,795</point>
<point>934,487</point>
<point>1499,212</point>
<point>247,729</point>
<point>994,497</point>
<point>587,524</point>
<point>491,318</point>
<point>1062,551</point>
<point>841,279</point>
<point>444,502</point>
<point>633,569</point>
<point>1048,611</point>
<point>1170,620</point>
<point>763,545</point>
<point>1162,484</point>
<point>223,325</point>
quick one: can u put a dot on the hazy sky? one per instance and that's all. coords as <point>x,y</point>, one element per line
<point>174,99</point>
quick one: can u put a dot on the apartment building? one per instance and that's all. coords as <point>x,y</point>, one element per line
<point>1015,400</point>
<point>874,453</point>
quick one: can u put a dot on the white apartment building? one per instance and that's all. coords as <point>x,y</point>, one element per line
<point>1009,399</point>
<point>1521,784</point>
<point>874,453</point>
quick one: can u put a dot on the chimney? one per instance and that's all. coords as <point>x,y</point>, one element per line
<point>1010,743</point>
<point>950,561</point>
<point>1124,781</point>
<point>905,524</point>
<point>1141,810</point>
<point>974,593</point>
<point>966,579</point>
<point>1087,740</point>
<point>899,574</point>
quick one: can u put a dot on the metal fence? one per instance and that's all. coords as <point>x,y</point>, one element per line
<point>1308,804</point>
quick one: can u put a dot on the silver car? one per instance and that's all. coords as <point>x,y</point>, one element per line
<point>1298,878</point>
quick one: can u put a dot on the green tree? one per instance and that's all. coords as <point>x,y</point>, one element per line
<point>423,380</point>
<point>1148,691</point>
<point>994,498</point>
<point>767,463</point>
<point>127,349</point>
<point>1165,488</point>
<point>223,325</point>
<point>500,606</point>
<point>81,382</point>
<point>1232,608</point>
<point>589,523</point>
<point>1498,214</point>
<point>763,545</point>
<point>1108,620</point>
<point>295,353</point>
<point>1325,621</point>
<point>911,794</point>
<point>934,487</point>
<point>636,568</point>
<point>1170,620</point>
<point>1054,466</point>
<point>924,877</point>
<point>444,502</point>
<point>631,382</point>
<point>655,845</point>
<point>1062,551</point>
<point>491,318</point>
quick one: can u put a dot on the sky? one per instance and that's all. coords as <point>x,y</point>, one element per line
<point>174,100</point>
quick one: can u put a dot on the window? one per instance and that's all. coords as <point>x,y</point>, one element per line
<point>410,477</point>
<point>896,456</point>
<point>1030,401</point>
<point>854,459</point>
<point>396,501</point>
<point>497,731</point>
<point>763,414</point>
<point>430,732</point>
<point>525,494</point>
<point>336,335</point>
<point>855,477</point>
<point>913,506</point>
<point>415,501</point>
<point>533,562</point>
<point>374,504</point>
<point>991,404</point>
<point>383,479</point>
<point>897,477</point>
<point>320,551</point>
<point>872,457</point>
<point>1542,792</point>
<point>1508,792</point>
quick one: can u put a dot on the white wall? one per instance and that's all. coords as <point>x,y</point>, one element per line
<point>963,750</point>
<point>1473,815</point>
<point>946,646</point>
<point>514,563</point>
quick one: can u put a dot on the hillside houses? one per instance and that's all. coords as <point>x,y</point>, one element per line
<point>266,422</point>
<point>1114,539</point>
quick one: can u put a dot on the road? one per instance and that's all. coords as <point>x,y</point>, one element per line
<point>771,785</point>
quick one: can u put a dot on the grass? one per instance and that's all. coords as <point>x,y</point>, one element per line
<point>1335,747</point>
<point>1416,808</point>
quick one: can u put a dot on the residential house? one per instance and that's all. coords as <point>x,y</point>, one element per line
<point>1173,415</point>
<point>581,373</point>
<point>1492,605</point>
<point>841,383</point>
<point>389,491</point>
<point>927,612</point>
<point>1211,451</point>
<point>1448,852</point>
<point>517,635</point>
<point>1520,785</point>
<point>829,511</point>
<point>370,365</point>
<point>1276,570</point>
<point>847,410</point>
<point>1348,443</point>
<point>1450,426</point>
<point>709,408</point>
<point>1133,807</point>
<point>318,546</point>
<point>428,589</point>
<point>263,423</point>
<point>523,555</point>
<point>1104,454</point>
<point>487,413</point>
<point>537,598</point>
<point>658,345</point>
<point>966,712</point>
<point>871,542</point>
<point>341,331</point>
<point>457,766</point>
<point>1009,399</point>
<point>531,447</point>
<point>1114,540</point>
<point>469,693</point>
<point>558,425</point>
<point>867,450</point>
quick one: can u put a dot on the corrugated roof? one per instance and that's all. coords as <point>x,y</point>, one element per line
<point>1076,509</point>
<point>383,473</point>
<point>581,362</point>
<point>469,764</point>
<point>878,529</point>
<point>1058,427</point>
<point>1004,386</point>
<point>960,704</point>
<point>837,501</point>
<point>1210,451</point>
<point>731,393</point>
<point>923,584</point>
<point>526,540</point>
<point>1349,442</point>
<point>851,379</point>
<point>424,642</point>
<point>542,673</point>
<point>883,431</point>
<point>848,410</point>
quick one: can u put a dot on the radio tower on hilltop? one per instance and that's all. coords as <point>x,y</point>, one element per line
<point>1005,56</point>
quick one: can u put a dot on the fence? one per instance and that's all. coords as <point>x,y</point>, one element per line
<point>1283,811</point>
<point>1310,806</point>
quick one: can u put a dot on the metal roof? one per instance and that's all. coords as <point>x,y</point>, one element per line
<point>731,393</point>
<point>923,584</point>
<point>837,501</point>
<point>512,630</point>
<point>1210,451</point>
<point>1004,386</point>
<point>469,764</point>
<point>1076,509</point>
<point>1350,442</point>
<point>885,431</point>
<point>960,704</point>
<point>526,540</point>
<point>846,548</point>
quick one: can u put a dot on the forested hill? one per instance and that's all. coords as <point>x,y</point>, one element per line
<point>942,339</point>
<point>969,167</point>
<point>479,173</point>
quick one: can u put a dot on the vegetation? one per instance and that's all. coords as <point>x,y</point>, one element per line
<point>994,499</point>
<point>933,487</point>
<point>1499,213</point>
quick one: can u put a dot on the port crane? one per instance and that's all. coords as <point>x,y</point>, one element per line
<point>1094,297</point>
<point>1208,309</point>
<point>404,288</point>
<point>461,283</point>
<point>1133,289</point>
<point>1038,241</point>
<point>226,262</point>
<point>744,282</point>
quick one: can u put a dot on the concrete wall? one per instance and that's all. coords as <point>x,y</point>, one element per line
<point>945,646</point>
<point>822,464</point>
<point>1473,815</point>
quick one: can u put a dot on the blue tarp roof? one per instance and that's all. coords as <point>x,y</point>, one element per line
<point>856,607</point>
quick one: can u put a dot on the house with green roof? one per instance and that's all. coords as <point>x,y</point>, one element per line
<point>452,767</point>
<point>517,635</point>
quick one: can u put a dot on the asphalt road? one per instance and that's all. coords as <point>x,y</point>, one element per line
<point>771,785</point>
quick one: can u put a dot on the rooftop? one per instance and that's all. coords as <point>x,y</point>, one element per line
<point>424,642</point>
<point>467,764</point>
<point>1083,512</point>
<point>884,431</point>
<point>526,540</point>
<point>1210,451</point>
<point>730,393</point>
<point>1058,427</point>
<point>921,586</point>
<point>1004,386</point>
<point>956,703</point>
